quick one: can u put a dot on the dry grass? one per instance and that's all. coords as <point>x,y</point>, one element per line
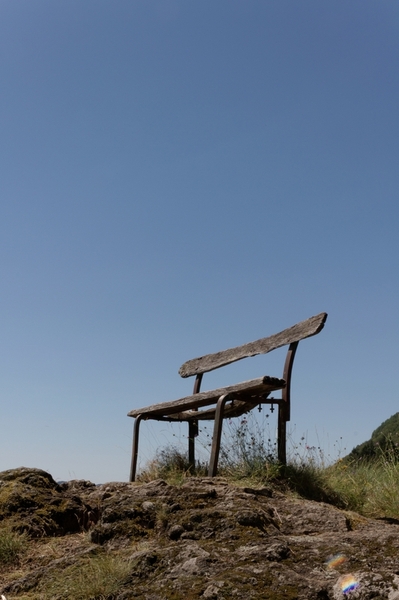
<point>12,546</point>
<point>170,464</point>
<point>94,577</point>
<point>368,487</point>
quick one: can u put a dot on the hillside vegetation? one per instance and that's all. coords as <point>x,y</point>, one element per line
<point>384,441</point>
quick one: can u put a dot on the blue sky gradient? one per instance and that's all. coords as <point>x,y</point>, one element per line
<point>180,177</point>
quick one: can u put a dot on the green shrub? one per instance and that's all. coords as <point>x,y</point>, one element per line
<point>384,442</point>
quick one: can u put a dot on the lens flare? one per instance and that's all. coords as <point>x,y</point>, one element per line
<point>348,583</point>
<point>336,561</point>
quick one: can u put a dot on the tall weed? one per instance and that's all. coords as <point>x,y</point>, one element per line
<point>247,451</point>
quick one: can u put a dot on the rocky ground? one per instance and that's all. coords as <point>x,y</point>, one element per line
<point>206,538</point>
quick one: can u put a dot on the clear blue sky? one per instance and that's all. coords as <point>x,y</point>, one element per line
<point>180,177</point>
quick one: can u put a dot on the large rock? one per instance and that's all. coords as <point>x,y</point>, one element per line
<point>34,503</point>
<point>203,539</point>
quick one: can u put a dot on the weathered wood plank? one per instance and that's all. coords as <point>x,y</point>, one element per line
<point>235,408</point>
<point>209,362</point>
<point>253,387</point>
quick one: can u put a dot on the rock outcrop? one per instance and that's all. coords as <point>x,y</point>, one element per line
<point>206,538</point>
<point>34,503</point>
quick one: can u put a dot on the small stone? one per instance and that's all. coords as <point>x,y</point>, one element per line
<point>175,532</point>
<point>212,591</point>
<point>194,566</point>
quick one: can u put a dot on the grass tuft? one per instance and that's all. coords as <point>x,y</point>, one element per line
<point>12,546</point>
<point>96,577</point>
<point>172,465</point>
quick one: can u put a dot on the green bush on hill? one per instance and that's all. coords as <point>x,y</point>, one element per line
<point>384,442</point>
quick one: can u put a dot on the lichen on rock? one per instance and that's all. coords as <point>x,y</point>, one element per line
<point>34,503</point>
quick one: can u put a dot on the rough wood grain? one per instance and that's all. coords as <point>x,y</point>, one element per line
<point>209,362</point>
<point>251,388</point>
<point>235,408</point>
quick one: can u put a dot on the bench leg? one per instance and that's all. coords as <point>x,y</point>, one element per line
<point>192,434</point>
<point>135,448</point>
<point>284,409</point>
<point>281,436</point>
<point>193,428</point>
<point>217,435</point>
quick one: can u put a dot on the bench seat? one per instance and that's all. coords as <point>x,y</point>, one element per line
<point>254,391</point>
<point>242,397</point>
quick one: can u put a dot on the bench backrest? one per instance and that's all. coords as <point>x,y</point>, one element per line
<point>298,332</point>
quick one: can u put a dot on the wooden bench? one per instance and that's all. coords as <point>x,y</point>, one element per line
<point>234,400</point>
